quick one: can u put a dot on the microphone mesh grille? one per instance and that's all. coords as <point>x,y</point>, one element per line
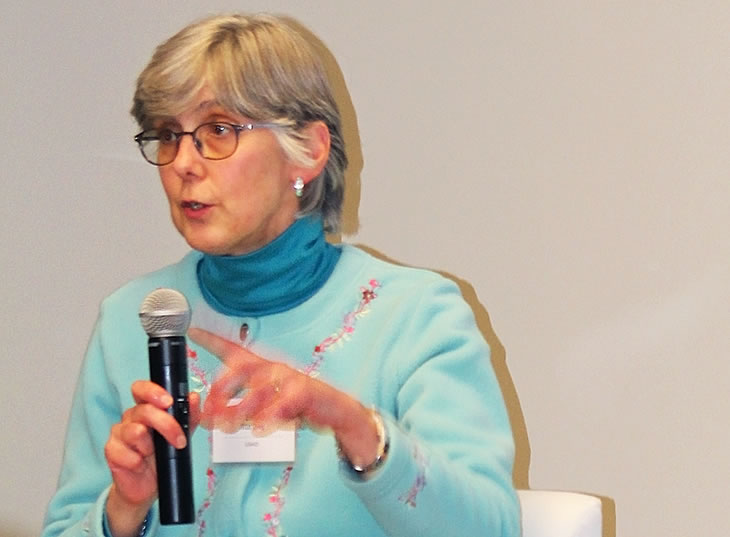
<point>165,313</point>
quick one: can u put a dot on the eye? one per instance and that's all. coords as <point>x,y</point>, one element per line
<point>220,129</point>
<point>166,136</point>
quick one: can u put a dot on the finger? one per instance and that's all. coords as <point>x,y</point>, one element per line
<point>273,417</point>
<point>260,388</point>
<point>120,455</point>
<point>295,399</point>
<point>146,391</point>
<point>159,420</point>
<point>136,437</point>
<point>227,408</point>
<point>290,402</point>
<point>227,386</point>
<point>231,414</point>
<point>228,352</point>
<point>224,413</point>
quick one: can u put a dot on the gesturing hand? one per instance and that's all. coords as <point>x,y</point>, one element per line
<point>272,393</point>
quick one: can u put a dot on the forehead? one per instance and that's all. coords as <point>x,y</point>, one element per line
<point>200,108</point>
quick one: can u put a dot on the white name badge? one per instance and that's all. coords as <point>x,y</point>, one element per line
<point>244,446</point>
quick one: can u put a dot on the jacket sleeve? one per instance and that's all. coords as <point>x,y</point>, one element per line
<point>449,468</point>
<point>77,507</point>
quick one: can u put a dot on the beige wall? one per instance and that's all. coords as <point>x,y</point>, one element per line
<point>566,161</point>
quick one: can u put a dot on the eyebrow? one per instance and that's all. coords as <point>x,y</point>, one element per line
<point>203,106</point>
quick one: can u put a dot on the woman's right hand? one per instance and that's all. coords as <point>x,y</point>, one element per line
<point>130,454</point>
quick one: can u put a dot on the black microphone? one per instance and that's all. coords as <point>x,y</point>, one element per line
<point>165,316</point>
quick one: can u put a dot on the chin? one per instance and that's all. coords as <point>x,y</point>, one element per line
<point>206,246</point>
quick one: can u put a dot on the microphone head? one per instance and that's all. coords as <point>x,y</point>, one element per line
<point>165,313</point>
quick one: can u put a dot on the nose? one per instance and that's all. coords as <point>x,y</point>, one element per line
<point>188,160</point>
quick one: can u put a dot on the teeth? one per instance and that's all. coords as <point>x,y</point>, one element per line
<point>194,205</point>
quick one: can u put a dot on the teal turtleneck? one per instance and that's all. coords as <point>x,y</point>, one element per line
<point>279,276</point>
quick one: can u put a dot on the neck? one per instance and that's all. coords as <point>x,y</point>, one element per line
<point>281,275</point>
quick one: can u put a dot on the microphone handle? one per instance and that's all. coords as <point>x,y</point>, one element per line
<point>168,368</point>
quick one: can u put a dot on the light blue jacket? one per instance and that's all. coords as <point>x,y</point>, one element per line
<point>400,339</point>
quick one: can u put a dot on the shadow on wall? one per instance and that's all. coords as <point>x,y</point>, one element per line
<point>608,512</point>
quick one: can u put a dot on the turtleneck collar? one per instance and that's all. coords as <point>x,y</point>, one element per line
<point>279,276</point>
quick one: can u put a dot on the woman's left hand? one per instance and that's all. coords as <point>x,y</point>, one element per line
<point>272,393</point>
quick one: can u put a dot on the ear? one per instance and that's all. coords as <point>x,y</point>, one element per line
<point>317,140</point>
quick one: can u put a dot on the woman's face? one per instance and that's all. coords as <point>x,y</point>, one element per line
<point>235,205</point>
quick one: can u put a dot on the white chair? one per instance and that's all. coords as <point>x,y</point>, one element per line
<point>550,513</point>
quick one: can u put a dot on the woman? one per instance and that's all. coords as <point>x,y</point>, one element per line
<point>401,428</point>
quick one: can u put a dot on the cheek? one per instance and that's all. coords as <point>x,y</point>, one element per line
<point>171,187</point>
<point>171,195</point>
<point>165,182</point>
<point>263,163</point>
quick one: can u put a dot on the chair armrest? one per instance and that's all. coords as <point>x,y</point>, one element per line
<point>550,513</point>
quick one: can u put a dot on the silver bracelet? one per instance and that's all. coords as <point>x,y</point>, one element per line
<point>365,472</point>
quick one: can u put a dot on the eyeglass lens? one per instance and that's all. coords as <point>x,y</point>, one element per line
<point>214,141</point>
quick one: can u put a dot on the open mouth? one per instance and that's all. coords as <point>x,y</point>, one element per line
<point>193,205</point>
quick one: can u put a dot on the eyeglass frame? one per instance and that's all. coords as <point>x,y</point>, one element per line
<point>237,127</point>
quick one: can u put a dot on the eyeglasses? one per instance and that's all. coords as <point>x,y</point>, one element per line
<point>214,141</point>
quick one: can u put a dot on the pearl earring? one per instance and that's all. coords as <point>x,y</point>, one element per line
<point>299,187</point>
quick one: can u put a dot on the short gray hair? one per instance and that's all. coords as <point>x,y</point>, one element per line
<point>260,67</point>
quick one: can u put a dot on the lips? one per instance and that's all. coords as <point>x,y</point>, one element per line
<point>194,205</point>
<point>195,210</point>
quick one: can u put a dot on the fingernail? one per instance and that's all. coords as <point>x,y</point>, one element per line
<point>166,399</point>
<point>181,441</point>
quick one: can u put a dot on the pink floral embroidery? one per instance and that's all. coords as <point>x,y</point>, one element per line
<point>343,334</point>
<point>276,498</point>
<point>200,383</point>
<point>409,497</point>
